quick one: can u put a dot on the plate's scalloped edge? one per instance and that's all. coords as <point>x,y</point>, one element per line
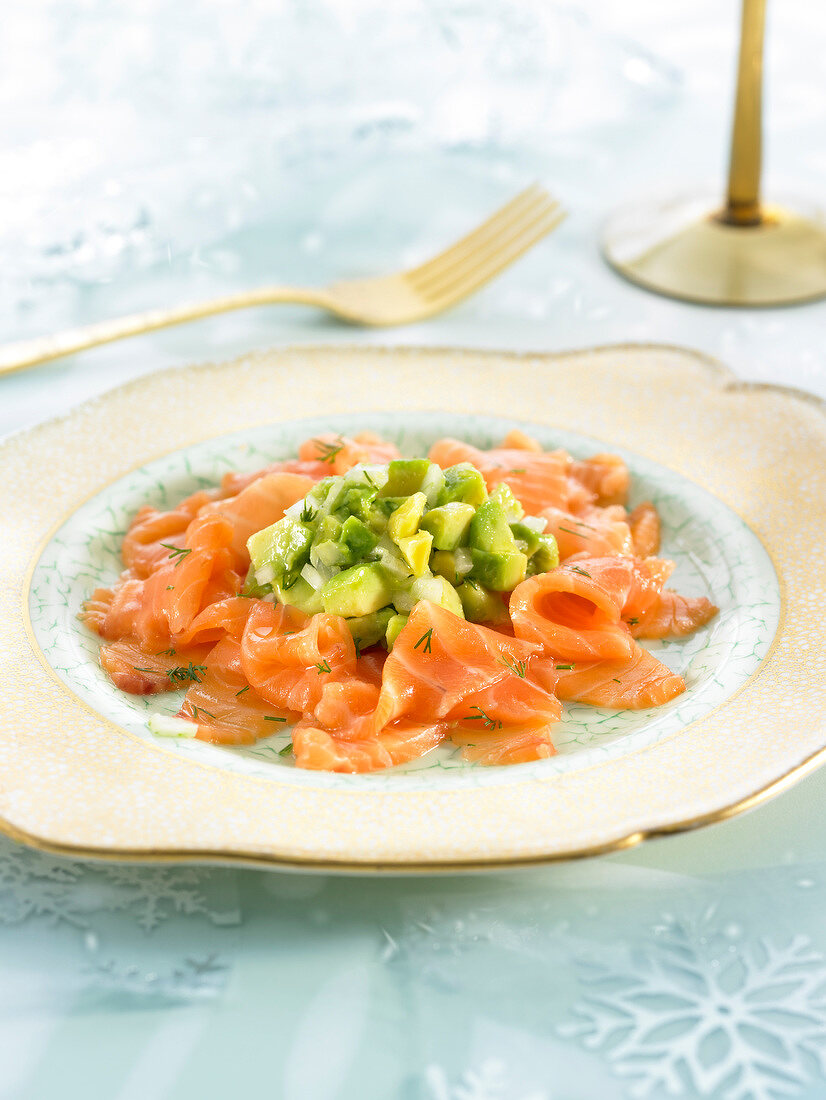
<point>728,382</point>
<point>262,860</point>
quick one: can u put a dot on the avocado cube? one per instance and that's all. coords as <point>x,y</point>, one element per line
<point>443,564</point>
<point>369,629</point>
<point>355,502</point>
<point>546,555</point>
<point>489,529</point>
<point>284,547</point>
<point>355,540</point>
<point>394,628</point>
<point>527,540</point>
<point>503,494</point>
<point>497,570</point>
<point>405,520</point>
<point>405,477</point>
<point>448,524</point>
<point>359,590</point>
<point>464,483</point>
<point>480,605</point>
<point>416,550</point>
<point>298,593</point>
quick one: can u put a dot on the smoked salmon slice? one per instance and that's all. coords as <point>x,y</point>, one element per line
<point>340,453</point>
<point>639,682</point>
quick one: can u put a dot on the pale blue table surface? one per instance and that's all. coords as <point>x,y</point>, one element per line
<point>689,967</point>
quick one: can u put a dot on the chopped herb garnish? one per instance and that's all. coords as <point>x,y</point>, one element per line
<point>153,671</point>
<point>241,692</point>
<point>617,681</point>
<point>323,667</point>
<point>633,622</point>
<point>582,523</point>
<point>358,647</point>
<point>582,572</point>
<point>181,675</point>
<point>273,718</point>
<point>287,748</point>
<point>489,723</point>
<point>519,668</point>
<point>308,514</point>
<point>287,633</point>
<point>426,638</point>
<point>568,531</point>
<point>165,652</point>
<point>521,470</point>
<point>370,481</point>
<point>327,451</point>
<point>566,668</point>
<point>195,711</point>
<point>285,584</point>
<point>170,588</point>
<point>179,552</point>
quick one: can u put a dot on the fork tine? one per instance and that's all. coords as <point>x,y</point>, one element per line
<point>499,220</point>
<point>468,278</point>
<point>489,247</point>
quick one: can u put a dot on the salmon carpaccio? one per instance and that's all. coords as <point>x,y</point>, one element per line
<point>176,619</point>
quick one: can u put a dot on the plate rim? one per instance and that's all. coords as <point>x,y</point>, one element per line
<point>717,369</point>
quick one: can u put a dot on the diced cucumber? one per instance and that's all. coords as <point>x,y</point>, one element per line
<point>449,524</point>
<point>499,571</point>
<point>284,546</point>
<point>359,590</point>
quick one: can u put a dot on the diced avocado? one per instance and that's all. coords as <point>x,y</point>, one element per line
<point>489,530</point>
<point>464,483</point>
<point>394,629</point>
<point>433,484</point>
<point>328,527</point>
<point>327,553</point>
<point>480,605</point>
<point>416,550</point>
<point>356,540</point>
<point>300,594</point>
<point>503,494</point>
<point>546,555</point>
<point>405,520</point>
<point>357,591</point>
<point>443,564</point>
<point>252,588</point>
<point>284,547</point>
<point>405,477</point>
<point>356,502</point>
<point>527,540</point>
<point>369,629</point>
<point>449,524</point>
<point>497,570</point>
<point>439,591</point>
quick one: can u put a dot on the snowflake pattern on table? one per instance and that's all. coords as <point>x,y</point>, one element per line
<point>694,1014</point>
<point>33,884</point>
<point>491,1081</point>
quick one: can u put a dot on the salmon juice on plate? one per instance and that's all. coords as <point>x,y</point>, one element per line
<point>381,606</point>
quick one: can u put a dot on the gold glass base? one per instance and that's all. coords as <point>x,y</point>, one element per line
<point>683,248</point>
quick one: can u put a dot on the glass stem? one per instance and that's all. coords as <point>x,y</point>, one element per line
<point>743,197</point>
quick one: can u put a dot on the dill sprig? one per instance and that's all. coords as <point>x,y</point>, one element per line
<point>521,470</point>
<point>568,531</point>
<point>519,668</point>
<point>196,710</point>
<point>241,692</point>
<point>177,552</point>
<point>427,637</point>
<point>308,514</point>
<point>287,749</point>
<point>273,718</point>
<point>582,572</point>
<point>166,652</point>
<point>323,667</point>
<point>181,675</point>
<point>488,722</point>
<point>633,622</point>
<point>564,668</point>
<point>327,451</point>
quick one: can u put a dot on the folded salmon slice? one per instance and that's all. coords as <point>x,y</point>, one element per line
<point>638,682</point>
<point>444,669</point>
<point>143,549</point>
<point>644,524</point>
<point>597,532</point>
<point>226,709</point>
<point>288,656</point>
<point>140,673</point>
<point>320,750</point>
<point>340,453</point>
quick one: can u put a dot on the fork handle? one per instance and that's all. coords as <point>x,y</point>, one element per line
<point>42,349</point>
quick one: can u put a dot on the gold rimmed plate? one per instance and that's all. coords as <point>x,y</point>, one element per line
<point>737,473</point>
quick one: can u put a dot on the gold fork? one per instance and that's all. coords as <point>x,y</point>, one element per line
<point>389,300</point>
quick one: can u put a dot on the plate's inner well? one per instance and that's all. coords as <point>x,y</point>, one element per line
<point>717,556</point>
